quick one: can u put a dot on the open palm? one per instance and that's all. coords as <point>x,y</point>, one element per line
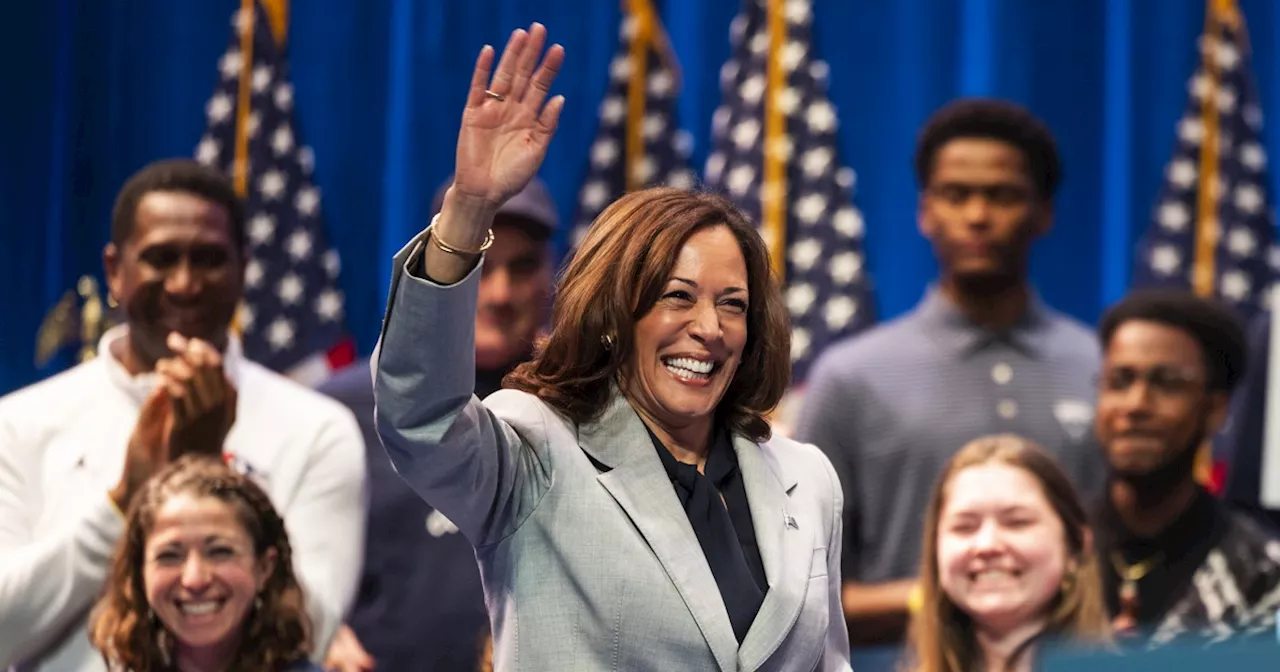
<point>506,127</point>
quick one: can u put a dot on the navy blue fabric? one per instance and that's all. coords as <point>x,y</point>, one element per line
<point>420,604</point>
<point>98,89</point>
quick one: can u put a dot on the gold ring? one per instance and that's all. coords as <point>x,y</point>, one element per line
<point>495,95</point>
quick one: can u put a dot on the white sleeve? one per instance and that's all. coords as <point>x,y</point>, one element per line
<point>46,585</point>
<point>326,523</point>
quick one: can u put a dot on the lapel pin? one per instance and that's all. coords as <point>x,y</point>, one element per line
<point>791,522</point>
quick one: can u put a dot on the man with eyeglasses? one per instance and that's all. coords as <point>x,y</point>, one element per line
<point>1175,561</point>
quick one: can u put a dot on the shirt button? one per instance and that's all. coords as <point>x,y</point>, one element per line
<point>1002,373</point>
<point>1007,408</point>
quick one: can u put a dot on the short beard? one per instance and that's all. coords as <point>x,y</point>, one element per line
<point>1168,475</point>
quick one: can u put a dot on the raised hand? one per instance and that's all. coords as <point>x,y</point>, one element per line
<point>506,127</point>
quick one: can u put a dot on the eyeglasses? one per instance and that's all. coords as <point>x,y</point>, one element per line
<point>1164,380</point>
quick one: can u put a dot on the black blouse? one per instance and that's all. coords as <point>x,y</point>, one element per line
<point>724,530</point>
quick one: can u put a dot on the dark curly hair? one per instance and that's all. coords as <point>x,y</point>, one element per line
<point>996,120</point>
<point>277,633</point>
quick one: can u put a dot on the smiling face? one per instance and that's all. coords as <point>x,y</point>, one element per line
<point>1001,548</point>
<point>1154,405</point>
<point>689,344</point>
<point>180,270</point>
<point>201,573</point>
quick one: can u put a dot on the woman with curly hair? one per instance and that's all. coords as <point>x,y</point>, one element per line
<point>203,579</point>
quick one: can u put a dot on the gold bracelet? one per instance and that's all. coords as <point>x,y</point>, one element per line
<point>449,249</point>
<point>915,599</point>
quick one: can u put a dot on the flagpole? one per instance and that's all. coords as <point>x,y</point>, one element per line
<point>1202,275</point>
<point>773,190</point>
<point>240,165</point>
<point>642,15</point>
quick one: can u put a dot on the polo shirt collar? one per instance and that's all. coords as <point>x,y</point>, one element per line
<point>950,328</point>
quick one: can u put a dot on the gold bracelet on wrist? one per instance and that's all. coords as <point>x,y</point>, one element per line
<point>450,249</point>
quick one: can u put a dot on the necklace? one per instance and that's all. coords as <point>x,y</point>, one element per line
<point>1130,575</point>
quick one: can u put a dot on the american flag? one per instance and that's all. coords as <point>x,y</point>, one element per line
<point>775,156</point>
<point>292,313</point>
<point>650,148</point>
<point>1212,227</point>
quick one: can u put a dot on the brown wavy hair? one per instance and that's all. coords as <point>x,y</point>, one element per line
<point>277,632</point>
<point>942,636</point>
<point>617,275</point>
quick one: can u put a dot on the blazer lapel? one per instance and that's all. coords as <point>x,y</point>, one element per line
<point>786,548</point>
<point>637,480</point>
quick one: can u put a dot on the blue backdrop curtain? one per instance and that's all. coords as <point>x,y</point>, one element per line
<point>97,89</point>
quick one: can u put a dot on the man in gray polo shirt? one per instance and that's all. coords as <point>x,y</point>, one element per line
<point>981,354</point>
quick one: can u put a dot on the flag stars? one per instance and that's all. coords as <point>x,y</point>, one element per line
<point>1248,199</point>
<point>262,228</point>
<point>792,54</point>
<point>252,122</point>
<point>1226,100</point>
<point>230,64</point>
<point>821,117</point>
<point>272,184</point>
<point>845,177</point>
<point>253,273</point>
<point>332,263</point>
<point>1241,242</point>
<point>261,78</point>
<point>612,110</point>
<point>848,222</point>
<point>810,208</point>
<point>1173,217</point>
<point>1235,286</point>
<point>787,101</point>
<point>594,195</point>
<point>207,151</point>
<point>307,159</point>
<point>804,254</point>
<point>1183,173</point>
<point>1253,157</point>
<point>839,312</point>
<point>290,289</point>
<point>845,267</point>
<point>661,84</point>
<point>307,201</point>
<point>653,126</point>
<point>280,334</point>
<point>645,169</point>
<point>752,89</point>
<point>1191,130</point>
<point>218,108</point>
<point>816,161</point>
<point>1165,260</point>
<point>740,179</point>
<point>329,305</point>
<point>298,245</point>
<point>604,152</point>
<point>284,96</point>
<point>797,12</point>
<point>800,297</point>
<point>746,133</point>
<point>282,141</point>
<point>620,68</point>
<point>801,341</point>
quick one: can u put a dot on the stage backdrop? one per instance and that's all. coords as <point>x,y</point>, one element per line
<point>95,89</point>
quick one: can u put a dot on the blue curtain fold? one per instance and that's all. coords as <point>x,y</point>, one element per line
<point>98,89</point>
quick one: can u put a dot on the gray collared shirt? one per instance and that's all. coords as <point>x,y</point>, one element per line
<point>891,405</point>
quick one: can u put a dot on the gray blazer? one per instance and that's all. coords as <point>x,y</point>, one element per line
<point>587,558</point>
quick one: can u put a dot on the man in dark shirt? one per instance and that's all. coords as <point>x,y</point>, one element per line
<point>1174,560</point>
<point>420,605</point>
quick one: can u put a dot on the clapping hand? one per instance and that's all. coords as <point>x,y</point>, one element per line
<point>191,410</point>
